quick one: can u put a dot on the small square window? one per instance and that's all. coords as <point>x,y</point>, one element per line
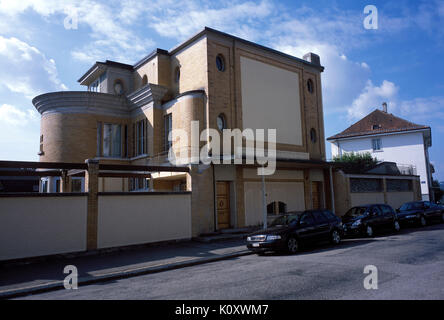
<point>376,144</point>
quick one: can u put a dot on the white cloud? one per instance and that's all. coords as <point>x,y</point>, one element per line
<point>26,70</point>
<point>421,109</point>
<point>20,133</point>
<point>185,18</point>
<point>371,98</point>
<point>111,34</point>
<point>11,115</point>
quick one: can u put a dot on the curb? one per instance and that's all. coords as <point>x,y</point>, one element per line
<point>57,285</point>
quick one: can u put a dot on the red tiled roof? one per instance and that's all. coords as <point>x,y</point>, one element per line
<point>386,123</point>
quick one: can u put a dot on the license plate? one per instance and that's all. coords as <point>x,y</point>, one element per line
<point>255,244</point>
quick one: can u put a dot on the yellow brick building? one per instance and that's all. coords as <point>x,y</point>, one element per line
<point>221,81</point>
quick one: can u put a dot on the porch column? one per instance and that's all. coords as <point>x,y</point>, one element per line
<point>65,182</point>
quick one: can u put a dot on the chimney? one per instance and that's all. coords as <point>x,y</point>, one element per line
<point>313,58</point>
<point>384,107</point>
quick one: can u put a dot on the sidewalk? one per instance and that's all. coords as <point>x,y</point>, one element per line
<point>23,279</point>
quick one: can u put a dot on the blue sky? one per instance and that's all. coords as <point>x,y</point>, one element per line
<point>401,62</point>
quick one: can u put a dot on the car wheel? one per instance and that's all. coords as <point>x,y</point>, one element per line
<point>292,245</point>
<point>335,237</point>
<point>369,231</point>
<point>422,221</point>
<point>396,226</point>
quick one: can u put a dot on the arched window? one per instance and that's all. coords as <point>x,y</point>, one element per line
<point>277,207</point>
<point>282,206</point>
<point>144,80</point>
<point>310,86</point>
<point>220,63</point>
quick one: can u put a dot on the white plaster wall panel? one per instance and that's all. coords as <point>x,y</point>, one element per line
<point>271,100</point>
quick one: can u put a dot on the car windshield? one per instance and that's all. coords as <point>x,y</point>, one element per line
<point>411,206</point>
<point>284,220</point>
<point>356,212</point>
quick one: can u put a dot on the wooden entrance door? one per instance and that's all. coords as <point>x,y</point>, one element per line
<point>316,194</point>
<point>223,204</point>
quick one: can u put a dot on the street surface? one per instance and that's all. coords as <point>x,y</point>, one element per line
<point>410,266</point>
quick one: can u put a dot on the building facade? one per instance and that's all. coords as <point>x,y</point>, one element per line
<point>220,82</point>
<point>390,138</point>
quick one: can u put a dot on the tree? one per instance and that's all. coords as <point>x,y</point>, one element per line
<point>356,162</point>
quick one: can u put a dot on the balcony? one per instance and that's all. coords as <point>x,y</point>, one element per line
<point>82,102</point>
<point>99,103</point>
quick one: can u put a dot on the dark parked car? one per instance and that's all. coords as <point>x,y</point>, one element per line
<point>420,213</point>
<point>366,220</point>
<point>289,231</point>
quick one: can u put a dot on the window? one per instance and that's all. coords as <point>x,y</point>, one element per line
<point>99,139</point>
<point>320,218</point>
<point>398,185</point>
<point>112,144</point>
<point>44,185</point>
<point>177,74</point>
<point>144,80</point>
<point>360,185</point>
<point>277,207</point>
<point>376,144</point>
<point>310,86</point>
<point>376,126</point>
<point>221,123</point>
<point>376,211</point>
<point>220,63</point>
<point>168,125</point>
<point>313,135</point>
<point>307,218</point>
<point>139,184</point>
<point>41,146</point>
<point>329,215</point>
<point>140,134</point>
<point>118,87</point>
<point>95,86</point>
<point>386,210</point>
<point>77,184</point>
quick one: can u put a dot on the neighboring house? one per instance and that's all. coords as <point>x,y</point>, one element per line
<point>222,82</point>
<point>390,138</point>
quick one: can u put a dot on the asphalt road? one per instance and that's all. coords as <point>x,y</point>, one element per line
<point>410,266</point>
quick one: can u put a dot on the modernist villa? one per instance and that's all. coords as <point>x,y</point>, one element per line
<point>126,112</point>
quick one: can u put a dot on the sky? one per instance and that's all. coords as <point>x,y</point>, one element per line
<point>46,45</point>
